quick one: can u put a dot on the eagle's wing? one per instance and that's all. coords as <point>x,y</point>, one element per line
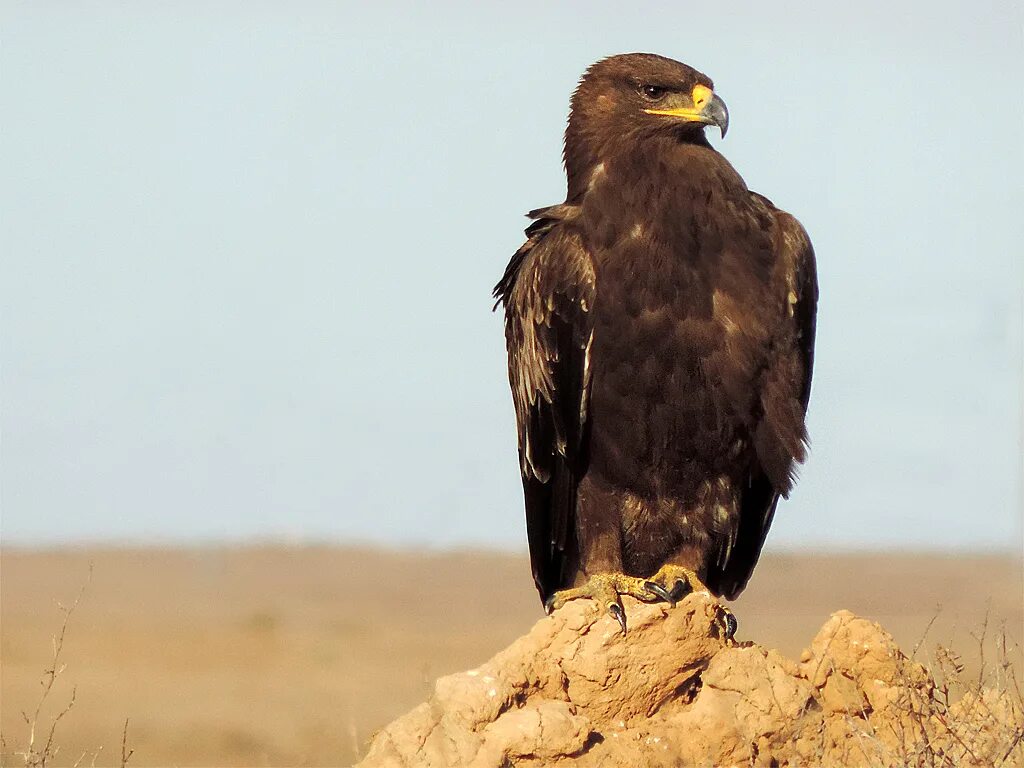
<point>548,291</point>
<point>780,436</point>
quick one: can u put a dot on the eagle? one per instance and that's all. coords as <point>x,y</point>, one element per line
<point>660,331</point>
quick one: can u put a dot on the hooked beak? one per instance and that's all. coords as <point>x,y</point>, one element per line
<point>707,109</point>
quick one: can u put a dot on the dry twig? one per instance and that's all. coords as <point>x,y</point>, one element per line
<point>38,757</point>
<point>125,752</point>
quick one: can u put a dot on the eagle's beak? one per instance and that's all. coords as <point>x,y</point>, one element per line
<point>717,114</point>
<point>707,108</point>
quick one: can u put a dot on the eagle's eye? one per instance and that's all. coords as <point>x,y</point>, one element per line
<point>653,92</point>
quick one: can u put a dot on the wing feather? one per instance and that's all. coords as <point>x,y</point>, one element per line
<point>780,438</point>
<point>548,291</point>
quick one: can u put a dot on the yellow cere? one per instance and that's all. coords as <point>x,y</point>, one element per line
<point>701,95</point>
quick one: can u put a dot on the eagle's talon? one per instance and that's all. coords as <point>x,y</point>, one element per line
<point>549,604</point>
<point>731,625</point>
<point>619,614</point>
<point>605,587</point>
<point>661,592</point>
<point>728,622</point>
<point>683,581</point>
<point>680,590</point>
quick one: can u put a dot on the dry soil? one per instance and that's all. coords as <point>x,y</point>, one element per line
<point>296,655</point>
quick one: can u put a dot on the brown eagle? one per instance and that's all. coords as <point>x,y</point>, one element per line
<point>660,333</point>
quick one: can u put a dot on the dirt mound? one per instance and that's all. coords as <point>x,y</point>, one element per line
<point>674,691</point>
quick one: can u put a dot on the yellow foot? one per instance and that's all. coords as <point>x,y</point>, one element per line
<point>673,582</point>
<point>605,588</point>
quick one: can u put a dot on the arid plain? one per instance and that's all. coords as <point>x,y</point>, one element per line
<point>294,655</point>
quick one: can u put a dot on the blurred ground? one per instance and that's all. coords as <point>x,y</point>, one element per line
<point>291,656</point>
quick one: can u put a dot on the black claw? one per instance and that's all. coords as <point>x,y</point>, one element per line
<point>549,605</point>
<point>660,591</point>
<point>731,625</point>
<point>679,589</point>
<point>619,614</point>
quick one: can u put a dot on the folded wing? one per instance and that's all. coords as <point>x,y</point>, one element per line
<point>548,292</point>
<point>780,436</point>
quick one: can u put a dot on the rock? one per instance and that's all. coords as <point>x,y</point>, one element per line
<point>575,692</point>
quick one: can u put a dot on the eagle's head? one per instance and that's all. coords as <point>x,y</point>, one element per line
<point>633,97</point>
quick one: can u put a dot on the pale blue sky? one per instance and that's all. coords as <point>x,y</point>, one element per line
<point>248,249</point>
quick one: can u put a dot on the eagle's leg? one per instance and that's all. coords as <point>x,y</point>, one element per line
<point>606,588</point>
<point>600,575</point>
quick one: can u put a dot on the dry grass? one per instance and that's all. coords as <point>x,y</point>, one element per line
<point>943,716</point>
<point>970,719</point>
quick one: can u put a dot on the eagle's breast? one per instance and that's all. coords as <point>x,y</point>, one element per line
<point>681,320</point>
